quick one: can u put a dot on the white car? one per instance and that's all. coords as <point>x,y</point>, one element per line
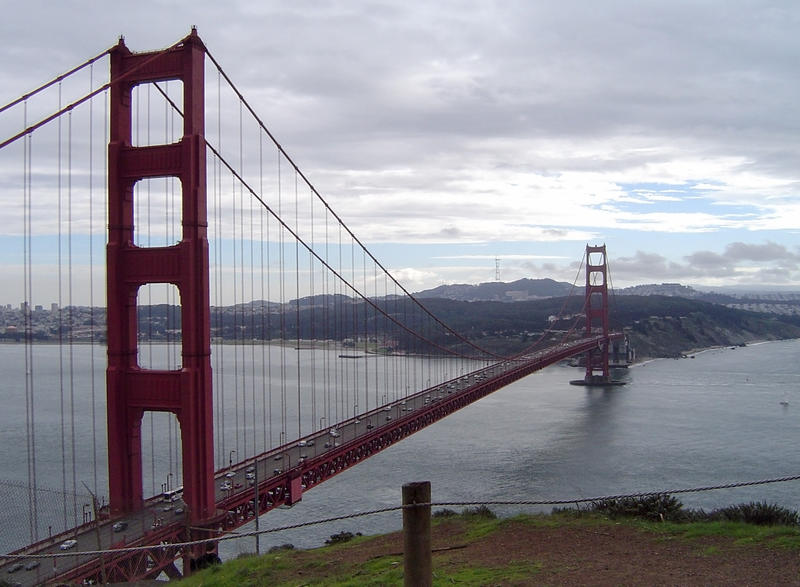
<point>67,544</point>
<point>119,526</point>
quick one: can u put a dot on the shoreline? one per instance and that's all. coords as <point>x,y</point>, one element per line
<point>691,353</point>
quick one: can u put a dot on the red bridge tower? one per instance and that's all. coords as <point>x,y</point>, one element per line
<point>132,390</point>
<point>596,306</point>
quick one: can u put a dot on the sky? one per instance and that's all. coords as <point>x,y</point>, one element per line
<point>462,140</point>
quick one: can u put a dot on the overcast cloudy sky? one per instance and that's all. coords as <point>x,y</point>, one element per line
<point>451,133</point>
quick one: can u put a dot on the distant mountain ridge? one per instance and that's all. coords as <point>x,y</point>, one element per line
<point>784,302</point>
<point>537,289</point>
<point>521,290</point>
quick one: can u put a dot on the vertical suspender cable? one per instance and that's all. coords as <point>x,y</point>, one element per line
<point>168,238</point>
<point>71,318</point>
<point>33,501</point>
<point>235,322</point>
<point>105,165</point>
<point>282,288</point>
<point>365,328</point>
<point>220,349</point>
<point>61,331</point>
<point>355,329</point>
<point>344,383</point>
<point>297,303</point>
<point>269,330</point>
<point>327,316</point>
<point>242,451</point>
<point>149,303</point>
<point>252,337</point>
<point>265,424</point>
<point>312,322</point>
<point>173,214</point>
<point>216,332</point>
<point>375,315</point>
<point>91,285</point>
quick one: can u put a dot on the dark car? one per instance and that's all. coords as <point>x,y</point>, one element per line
<point>119,526</point>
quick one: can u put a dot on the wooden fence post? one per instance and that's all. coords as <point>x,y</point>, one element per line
<point>417,570</point>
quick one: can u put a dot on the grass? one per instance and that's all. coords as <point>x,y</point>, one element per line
<point>487,575</point>
<point>363,560</point>
<point>741,532</point>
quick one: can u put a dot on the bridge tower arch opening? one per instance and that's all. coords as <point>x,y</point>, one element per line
<point>131,389</point>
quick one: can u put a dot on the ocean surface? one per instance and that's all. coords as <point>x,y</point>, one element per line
<point>724,416</point>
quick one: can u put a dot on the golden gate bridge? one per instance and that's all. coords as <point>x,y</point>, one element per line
<point>213,238</point>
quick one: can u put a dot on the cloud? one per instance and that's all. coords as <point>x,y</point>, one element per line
<point>465,122</point>
<point>774,264</point>
<point>505,257</point>
<point>764,252</point>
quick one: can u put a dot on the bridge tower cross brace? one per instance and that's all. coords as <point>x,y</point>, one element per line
<point>132,390</point>
<point>596,307</point>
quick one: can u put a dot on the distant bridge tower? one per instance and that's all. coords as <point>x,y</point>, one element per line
<point>596,306</point>
<point>132,390</point>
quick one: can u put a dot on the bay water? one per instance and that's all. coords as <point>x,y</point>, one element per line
<point>720,416</point>
<point>724,416</point>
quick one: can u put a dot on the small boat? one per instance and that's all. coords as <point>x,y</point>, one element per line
<point>351,356</point>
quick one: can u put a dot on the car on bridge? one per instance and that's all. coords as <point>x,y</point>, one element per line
<point>67,544</point>
<point>119,526</point>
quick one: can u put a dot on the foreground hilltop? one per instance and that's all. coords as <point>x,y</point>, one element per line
<point>541,550</point>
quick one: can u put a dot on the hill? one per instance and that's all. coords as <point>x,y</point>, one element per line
<point>785,301</point>
<point>657,326</point>
<point>663,325</point>
<point>497,291</point>
<point>540,550</point>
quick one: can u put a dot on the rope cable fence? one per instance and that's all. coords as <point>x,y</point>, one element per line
<point>522,502</point>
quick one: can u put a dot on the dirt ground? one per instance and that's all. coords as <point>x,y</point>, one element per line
<point>602,555</point>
